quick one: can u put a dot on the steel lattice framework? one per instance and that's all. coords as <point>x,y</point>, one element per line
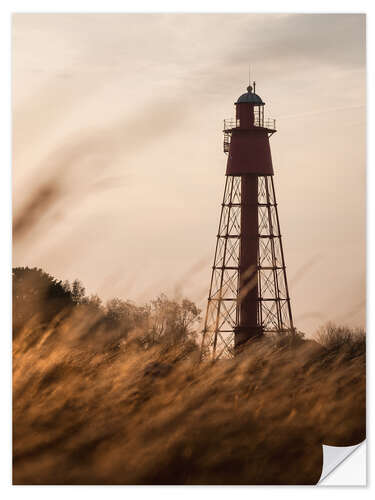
<point>273,308</point>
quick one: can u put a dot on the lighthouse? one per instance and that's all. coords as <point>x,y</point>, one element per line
<point>248,294</point>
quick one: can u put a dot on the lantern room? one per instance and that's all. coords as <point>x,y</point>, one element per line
<point>249,109</point>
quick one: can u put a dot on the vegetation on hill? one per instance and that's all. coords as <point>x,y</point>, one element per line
<point>114,394</point>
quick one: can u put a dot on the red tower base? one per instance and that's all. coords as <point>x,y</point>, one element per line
<point>244,334</point>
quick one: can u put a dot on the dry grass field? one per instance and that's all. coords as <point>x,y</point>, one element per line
<point>88,411</point>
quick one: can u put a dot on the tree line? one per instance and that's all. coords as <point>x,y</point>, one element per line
<point>39,298</point>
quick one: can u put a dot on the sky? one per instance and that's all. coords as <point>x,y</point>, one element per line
<point>118,167</point>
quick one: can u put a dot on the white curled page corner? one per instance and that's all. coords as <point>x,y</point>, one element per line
<point>333,456</point>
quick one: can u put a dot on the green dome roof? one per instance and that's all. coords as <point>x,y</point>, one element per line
<point>250,96</point>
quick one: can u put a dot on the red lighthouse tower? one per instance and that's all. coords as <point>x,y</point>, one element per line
<point>248,294</point>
